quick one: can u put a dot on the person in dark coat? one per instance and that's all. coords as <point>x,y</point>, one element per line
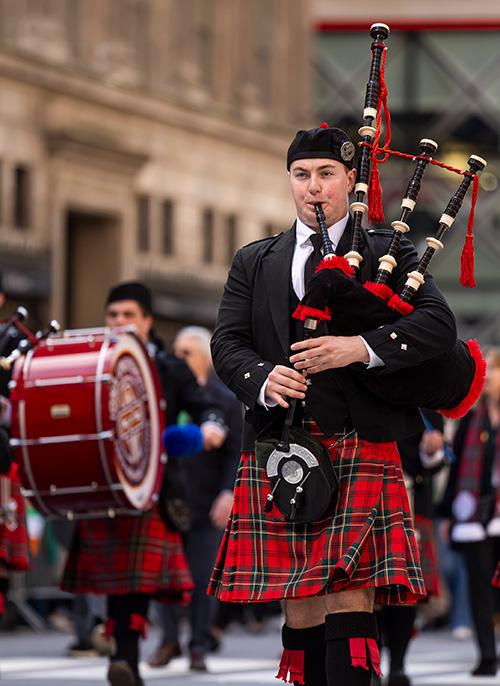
<point>132,559</point>
<point>14,555</point>
<point>210,478</point>
<point>330,571</point>
<point>422,456</point>
<point>471,504</point>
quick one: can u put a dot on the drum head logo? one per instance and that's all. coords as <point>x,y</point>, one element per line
<point>129,411</point>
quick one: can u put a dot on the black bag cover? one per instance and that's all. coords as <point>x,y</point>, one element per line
<point>304,485</point>
<point>451,381</point>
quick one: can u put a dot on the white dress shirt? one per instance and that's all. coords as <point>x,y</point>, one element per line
<point>303,248</point>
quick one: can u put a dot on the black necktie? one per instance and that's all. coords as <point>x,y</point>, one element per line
<point>314,258</point>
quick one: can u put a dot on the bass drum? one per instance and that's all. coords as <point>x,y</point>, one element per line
<point>87,424</point>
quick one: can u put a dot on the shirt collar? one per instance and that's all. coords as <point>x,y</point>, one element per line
<point>335,231</point>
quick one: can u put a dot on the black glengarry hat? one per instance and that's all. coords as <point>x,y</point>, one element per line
<point>323,142</point>
<point>131,290</point>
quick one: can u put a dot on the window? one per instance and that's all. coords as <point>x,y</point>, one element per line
<point>143,223</point>
<point>167,225</point>
<point>22,197</point>
<point>208,236</point>
<point>231,236</point>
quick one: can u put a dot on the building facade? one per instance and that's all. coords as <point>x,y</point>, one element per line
<point>143,139</point>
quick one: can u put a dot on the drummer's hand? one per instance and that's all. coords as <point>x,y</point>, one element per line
<point>328,352</point>
<point>221,509</point>
<point>431,441</point>
<point>284,382</point>
<point>213,434</point>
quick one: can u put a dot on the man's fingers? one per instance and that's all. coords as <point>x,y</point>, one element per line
<point>279,399</point>
<point>290,373</point>
<point>287,391</point>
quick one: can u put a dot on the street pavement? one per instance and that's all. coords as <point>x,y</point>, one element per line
<point>38,659</point>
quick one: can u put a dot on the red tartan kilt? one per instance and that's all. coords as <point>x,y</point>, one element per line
<point>368,540</point>
<point>496,577</point>
<point>136,554</point>
<point>14,543</point>
<point>428,557</point>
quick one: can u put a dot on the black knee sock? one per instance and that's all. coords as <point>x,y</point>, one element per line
<point>303,660</point>
<point>398,624</point>
<point>351,648</point>
<point>128,616</point>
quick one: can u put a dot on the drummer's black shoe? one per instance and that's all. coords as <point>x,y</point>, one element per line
<point>485,668</point>
<point>120,674</point>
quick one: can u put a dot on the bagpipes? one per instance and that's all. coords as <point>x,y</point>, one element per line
<point>29,341</point>
<point>450,382</point>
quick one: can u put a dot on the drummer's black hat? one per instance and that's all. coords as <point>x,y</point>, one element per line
<point>132,290</point>
<point>323,142</point>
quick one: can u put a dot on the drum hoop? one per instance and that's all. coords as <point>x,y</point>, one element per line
<point>101,361</point>
<point>129,344</point>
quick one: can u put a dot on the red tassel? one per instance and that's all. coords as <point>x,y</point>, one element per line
<point>324,125</point>
<point>13,471</point>
<point>138,623</point>
<point>303,312</point>
<point>400,305</point>
<point>291,665</point>
<point>109,629</point>
<point>467,259</point>
<point>335,262</point>
<point>379,289</point>
<point>374,654</point>
<point>375,207</point>
<point>477,384</point>
<point>357,648</point>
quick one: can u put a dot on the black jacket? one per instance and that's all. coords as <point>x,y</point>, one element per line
<point>181,391</point>
<point>214,471</point>
<point>252,333</point>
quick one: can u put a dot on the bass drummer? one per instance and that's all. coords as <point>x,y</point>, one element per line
<point>132,559</point>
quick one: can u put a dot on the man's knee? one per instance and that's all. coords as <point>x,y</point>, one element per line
<point>306,613</point>
<point>357,600</point>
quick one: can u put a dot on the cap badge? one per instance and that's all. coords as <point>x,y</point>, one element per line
<point>347,151</point>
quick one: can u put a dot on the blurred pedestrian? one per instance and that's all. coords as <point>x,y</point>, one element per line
<point>422,456</point>
<point>472,504</point>
<point>210,479</point>
<point>14,554</point>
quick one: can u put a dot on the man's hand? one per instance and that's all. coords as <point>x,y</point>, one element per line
<point>284,382</point>
<point>213,435</point>
<point>431,442</point>
<point>221,509</point>
<point>328,352</point>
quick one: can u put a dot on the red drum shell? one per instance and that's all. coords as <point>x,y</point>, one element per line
<point>87,424</point>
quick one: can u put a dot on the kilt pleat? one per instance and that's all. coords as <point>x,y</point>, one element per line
<point>367,541</point>
<point>136,554</point>
<point>14,543</point>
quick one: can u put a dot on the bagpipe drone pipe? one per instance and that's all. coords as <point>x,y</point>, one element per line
<point>450,382</point>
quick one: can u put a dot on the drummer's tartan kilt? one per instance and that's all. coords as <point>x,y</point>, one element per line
<point>128,554</point>
<point>367,542</point>
<point>14,542</point>
<point>428,556</point>
<point>496,577</point>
